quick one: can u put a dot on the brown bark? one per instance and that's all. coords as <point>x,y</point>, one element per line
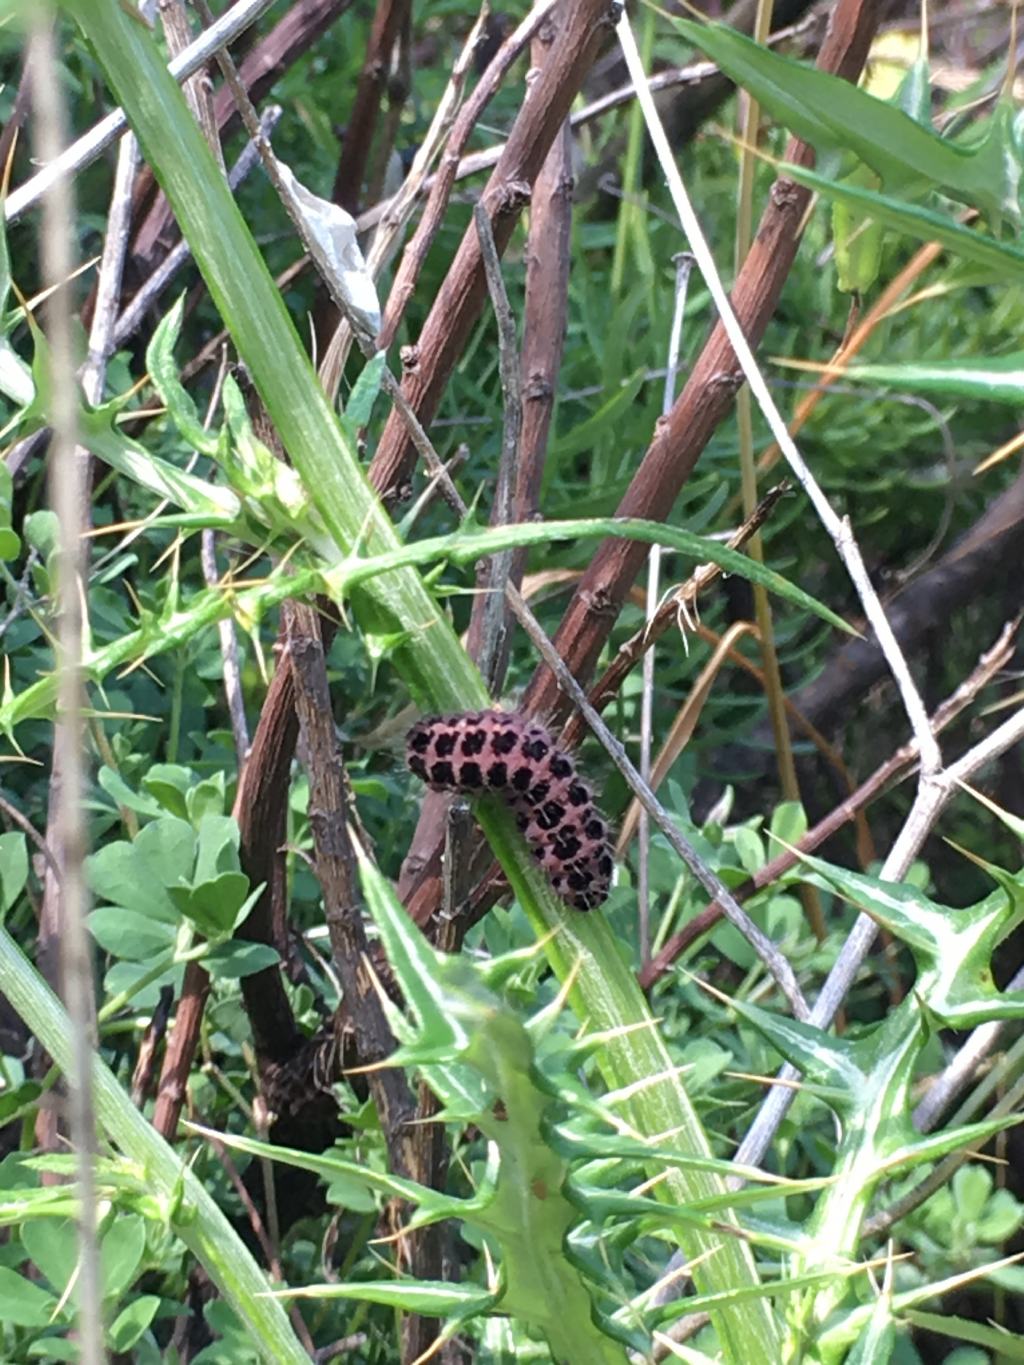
<point>461,297</point>
<point>707,397</point>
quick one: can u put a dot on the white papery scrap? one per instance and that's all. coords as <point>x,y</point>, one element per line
<point>330,235</point>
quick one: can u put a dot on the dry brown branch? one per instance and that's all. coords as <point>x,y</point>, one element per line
<point>444,180</point>
<point>707,397</point>
<point>544,324</point>
<point>337,873</point>
<point>461,297</point>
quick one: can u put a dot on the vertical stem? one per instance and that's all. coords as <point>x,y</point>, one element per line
<point>631,213</point>
<point>748,480</point>
<point>684,264</point>
<point>67,496</point>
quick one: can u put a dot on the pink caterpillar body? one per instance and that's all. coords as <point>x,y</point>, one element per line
<point>507,754</point>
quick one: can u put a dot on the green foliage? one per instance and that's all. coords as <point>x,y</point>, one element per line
<point>591,1135</point>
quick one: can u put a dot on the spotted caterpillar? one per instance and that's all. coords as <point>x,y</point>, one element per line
<point>553,805</point>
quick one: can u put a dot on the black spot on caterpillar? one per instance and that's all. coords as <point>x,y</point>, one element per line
<point>505,753</point>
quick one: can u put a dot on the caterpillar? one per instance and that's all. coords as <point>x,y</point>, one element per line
<point>502,752</point>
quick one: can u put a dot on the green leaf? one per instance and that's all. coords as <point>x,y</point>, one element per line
<point>164,373</point>
<point>952,947</point>
<point>25,1304</point>
<point>209,503</point>
<point>13,868</point>
<point>123,796</point>
<point>136,875</point>
<point>466,547</point>
<point>583,436</point>
<point>121,1249</point>
<point>364,391</point>
<point>988,379</point>
<point>131,1322</point>
<point>858,239</point>
<point>169,783</point>
<point>1006,1345</point>
<point>131,935</point>
<point>229,961</point>
<point>216,906</point>
<point>834,115</point>
<point>52,1245</point>
<point>432,1298</point>
<point>1006,262</point>
<point>219,841</point>
<point>169,1184</point>
<point>10,542</point>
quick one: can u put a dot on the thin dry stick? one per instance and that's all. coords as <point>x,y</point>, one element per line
<point>131,317</point>
<point>66,495</point>
<point>838,528</point>
<point>684,264</point>
<point>773,960</point>
<point>89,146</point>
<point>750,118</point>
<point>494,625</point>
<point>399,208</point>
<point>416,252</point>
<point>476,162</point>
<point>931,794</point>
<point>675,610</point>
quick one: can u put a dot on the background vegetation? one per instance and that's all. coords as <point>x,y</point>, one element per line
<point>254,1109</point>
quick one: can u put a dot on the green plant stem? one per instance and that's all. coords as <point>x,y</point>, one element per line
<point>193,1214</point>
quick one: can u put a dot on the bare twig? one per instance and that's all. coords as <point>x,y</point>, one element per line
<point>337,872</point>
<point>774,961</point>
<point>679,605</point>
<point>494,616</point>
<point>684,264</point>
<point>198,91</point>
<point>416,252</point>
<point>477,162</point>
<point>839,529</point>
<point>67,496</point>
<point>461,297</point>
<point>396,211</point>
<point>155,283</point>
<point>88,147</point>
